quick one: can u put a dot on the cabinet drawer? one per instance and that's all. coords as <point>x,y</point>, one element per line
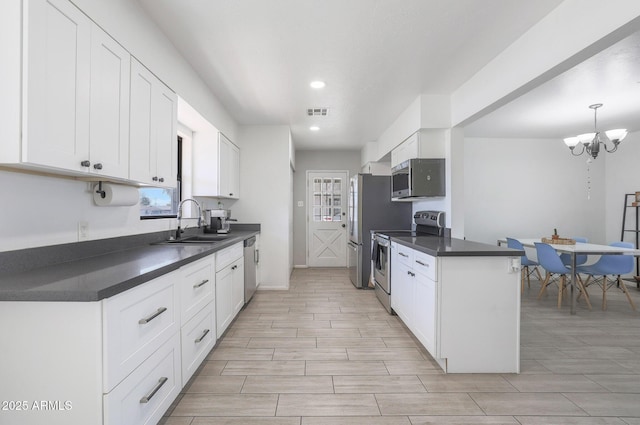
<point>424,264</point>
<point>136,323</point>
<point>145,395</point>
<point>405,255</point>
<point>198,337</point>
<point>228,256</point>
<point>197,288</point>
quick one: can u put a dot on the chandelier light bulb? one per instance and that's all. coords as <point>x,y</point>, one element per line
<point>571,141</point>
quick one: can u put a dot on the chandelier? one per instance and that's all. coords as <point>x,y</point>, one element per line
<point>591,141</point>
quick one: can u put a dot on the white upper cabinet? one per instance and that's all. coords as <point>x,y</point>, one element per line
<point>425,143</point>
<point>77,114</point>
<point>76,93</point>
<point>153,123</point>
<point>57,76</point>
<point>229,169</point>
<point>109,111</point>
<point>216,166</point>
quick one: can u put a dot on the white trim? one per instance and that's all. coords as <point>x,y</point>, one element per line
<point>300,266</point>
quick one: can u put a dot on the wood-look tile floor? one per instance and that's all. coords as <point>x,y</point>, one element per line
<point>325,353</point>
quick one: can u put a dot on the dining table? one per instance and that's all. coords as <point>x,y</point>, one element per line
<point>579,248</point>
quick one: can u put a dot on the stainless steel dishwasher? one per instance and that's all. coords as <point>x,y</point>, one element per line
<point>251,258</point>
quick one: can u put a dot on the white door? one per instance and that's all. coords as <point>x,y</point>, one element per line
<point>327,218</point>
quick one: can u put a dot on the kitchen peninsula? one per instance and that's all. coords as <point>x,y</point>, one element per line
<point>461,299</point>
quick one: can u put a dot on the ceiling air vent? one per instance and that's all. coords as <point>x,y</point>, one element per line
<point>318,112</point>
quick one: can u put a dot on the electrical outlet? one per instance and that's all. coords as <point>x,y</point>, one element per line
<point>83,230</point>
<point>301,203</point>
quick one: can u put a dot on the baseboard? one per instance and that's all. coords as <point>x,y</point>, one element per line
<point>273,288</point>
<point>300,266</point>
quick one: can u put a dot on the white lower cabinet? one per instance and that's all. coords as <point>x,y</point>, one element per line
<point>198,330</point>
<point>136,323</point>
<point>144,396</point>
<point>414,293</point>
<point>229,285</point>
<point>465,310</point>
<point>122,360</point>
<point>198,338</point>
<point>425,311</point>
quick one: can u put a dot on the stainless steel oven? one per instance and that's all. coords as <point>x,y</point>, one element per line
<point>381,266</point>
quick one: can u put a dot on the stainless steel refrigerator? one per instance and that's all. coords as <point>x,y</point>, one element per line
<point>371,208</point>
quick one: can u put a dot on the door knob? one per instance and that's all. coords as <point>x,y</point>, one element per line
<point>344,225</point>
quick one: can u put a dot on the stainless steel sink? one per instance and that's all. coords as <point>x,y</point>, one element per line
<point>199,239</point>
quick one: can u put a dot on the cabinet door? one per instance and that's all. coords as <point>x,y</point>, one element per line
<point>57,65</point>
<point>153,135</point>
<point>425,311</point>
<point>234,172</point>
<point>165,124</point>
<point>228,168</point>
<point>238,285</point>
<point>401,291</point>
<point>109,110</point>
<point>205,162</point>
<point>224,299</point>
<point>142,160</point>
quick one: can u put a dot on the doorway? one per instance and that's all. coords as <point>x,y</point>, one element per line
<point>327,218</point>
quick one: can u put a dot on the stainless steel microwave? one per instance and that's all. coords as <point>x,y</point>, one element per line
<point>418,178</point>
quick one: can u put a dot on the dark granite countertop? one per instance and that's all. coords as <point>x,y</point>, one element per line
<point>451,247</point>
<point>102,276</point>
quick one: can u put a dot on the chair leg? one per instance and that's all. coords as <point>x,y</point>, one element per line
<point>604,292</point>
<point>626,292</point>
<point>522,280</point>
<point>538,273</point>
<point>561,285</point>
<point>528,278</point>
<point>583,290</point>
<point>544,285</point>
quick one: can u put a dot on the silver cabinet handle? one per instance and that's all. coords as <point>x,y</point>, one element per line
<point>154,178</point>
<point>97,166</point>
<point>85,163</point>
<point>403,254</point>
<point>157,313</point>
<point>197,285</point>
<point>421,263</point>
<point>199,340</point>
<point>161,179</point>
<point>148,397</point>
<point>257,256</point>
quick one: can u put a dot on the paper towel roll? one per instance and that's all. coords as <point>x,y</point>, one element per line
<point>116,195</point>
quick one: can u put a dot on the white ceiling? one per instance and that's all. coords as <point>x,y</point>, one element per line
<point>560,107</point>
<point>258,58</point>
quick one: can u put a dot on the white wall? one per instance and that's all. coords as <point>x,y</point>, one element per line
<point>527,187</point>
<point>38,211</point>
<point>622,176</point>
<point>265,197</point>
<point>314,160</point>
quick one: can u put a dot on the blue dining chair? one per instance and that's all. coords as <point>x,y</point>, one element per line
<point>527,265</point>
<point>550,261</point>
<point>580,259</point>
<point>611,265</point>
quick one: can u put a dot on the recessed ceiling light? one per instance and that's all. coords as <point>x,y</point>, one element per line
<point>317,84</point>
<point>314,128</point>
